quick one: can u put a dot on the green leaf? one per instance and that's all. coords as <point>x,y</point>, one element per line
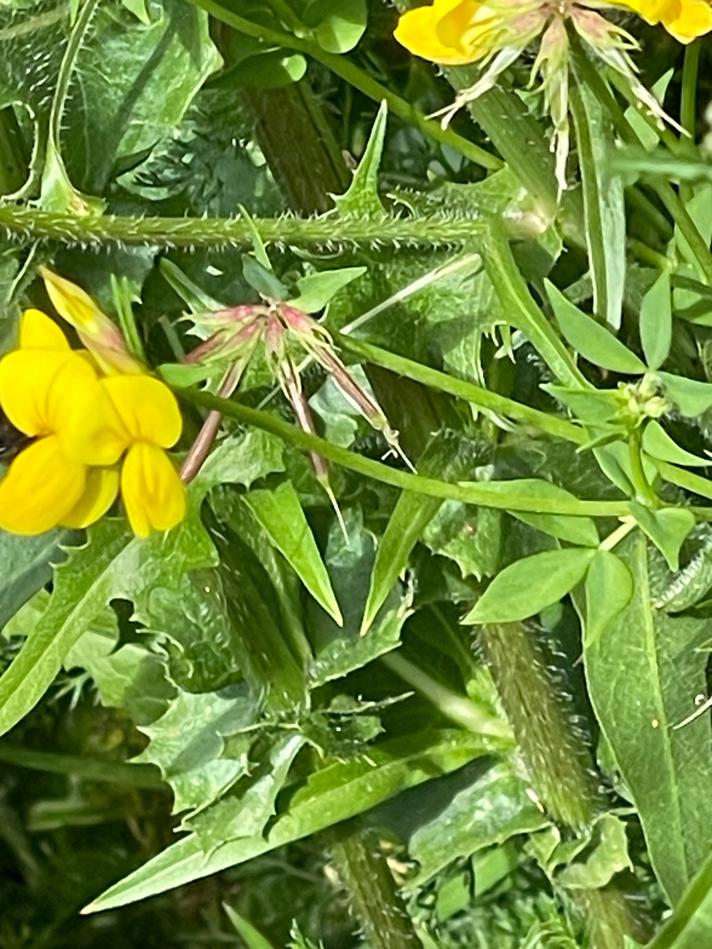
<point>656,322</point>
<point>350,564</point>
<point>603,203</point>
<point>188,744</point>
<point>120,109</point>
<point>110,564</point>
<point>262,279</point>
<point>113,564</point>
<point>607,856</point>
<point>692,398</point>
<point>690,926</point>
<point>330,794</point>
<point>643,672</point>
<point>362,196</point>
<point>667,529</point>
<point>591,340</point>
<point>599,406</point>
<point>658,444</point>
<point>25,567</point>
<point>251,936</point>
<point>317,289</point>
<point>609,588</point>
<point>527,586</point>
<point>446,457</point>
<point>575,530</point>
<point>486,811</point>
<point>280,513</point>
<point>271,69</point>
<point>245,811</point>
<point>337,26</point>
<point>410,516</point>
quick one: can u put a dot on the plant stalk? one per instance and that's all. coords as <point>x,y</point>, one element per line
<point>375,899</point>
<point>33,224</point>
<point>558,761</point>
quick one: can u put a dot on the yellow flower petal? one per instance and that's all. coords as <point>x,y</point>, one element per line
<point>693,19</point>
<point>40,488</point>
<point>92,431</point>
<point>101,488</point>
<point>147,408</point>
<point>683,19</point>
<point>38,331</point>
<point>72,303</point>
<point>419,31</point>
<point>153,493</point>
<point>27,387</point>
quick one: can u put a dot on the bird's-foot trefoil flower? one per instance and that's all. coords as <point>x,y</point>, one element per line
<point>46,391</point>
<point>495,33</point>
<point>137,419</point>
<point>96,423</point>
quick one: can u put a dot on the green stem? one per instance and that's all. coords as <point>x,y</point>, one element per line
<point>688,98</point>
<point>356,77</point>
<point>485,494</point>
<point>457,708</point>
<point>649,255</point>
<point>26,223</point>
<point>644,492</point>
<point>375,899</point>
<point>524,314</point>
<point>90,769</point>
<point>476,395</point>
<point>559,763</point>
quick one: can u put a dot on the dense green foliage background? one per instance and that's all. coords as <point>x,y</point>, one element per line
<point>406,732</point>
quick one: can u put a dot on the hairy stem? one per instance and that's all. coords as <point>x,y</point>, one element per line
<point>26,223</point>
<point>558,760</point>
<point>373,893</point>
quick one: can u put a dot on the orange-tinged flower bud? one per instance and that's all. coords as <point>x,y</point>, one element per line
<point>97,332</point>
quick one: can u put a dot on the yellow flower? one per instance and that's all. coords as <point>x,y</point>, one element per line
<point>147,420</point>
<point>495,33</point>
<point>683,19</point>
<point>45,390</point>
<point>139,416</point>
<point>455,32</point>
<point>83,424</point>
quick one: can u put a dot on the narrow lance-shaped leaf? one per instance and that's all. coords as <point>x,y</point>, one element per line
<point>591,340</point>
<point>657,443</point>
<point>691,396</point>
<point>656,322</point>
<point>280,513</point>
<point>603,203</point>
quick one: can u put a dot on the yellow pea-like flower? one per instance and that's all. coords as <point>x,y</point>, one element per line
<point>45,390</point>
<point>683,19</point>
<point>83,424</point>
<point>451,32</point>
